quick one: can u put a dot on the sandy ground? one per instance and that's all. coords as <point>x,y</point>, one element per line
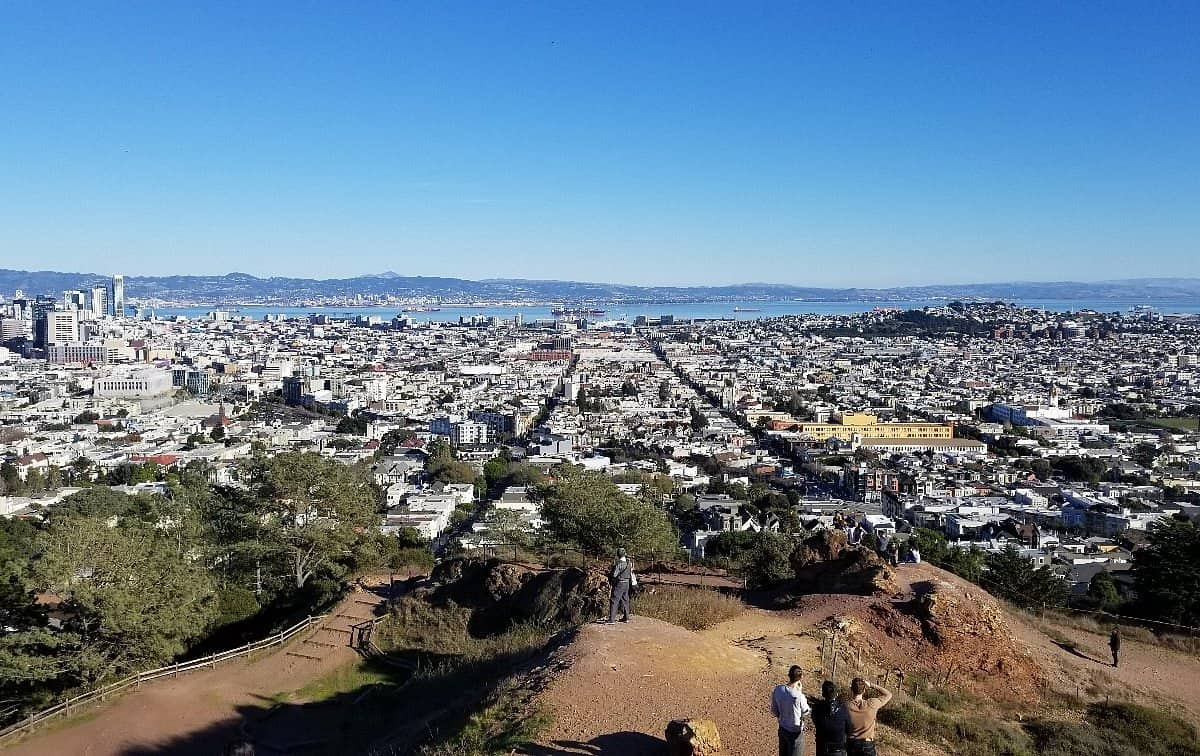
<point>624,682</point>
<point>201,712</point>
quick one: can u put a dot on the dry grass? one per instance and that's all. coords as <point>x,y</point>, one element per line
<point>1136,633</point>
<point>443,631</point>
<point>693,608</point>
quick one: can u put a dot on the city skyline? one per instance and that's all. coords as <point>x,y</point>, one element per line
<point>677,145</point>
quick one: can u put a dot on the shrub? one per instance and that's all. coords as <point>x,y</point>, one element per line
<point>693,608</point>
<point>767,562</point>
<point>1150,731</point>
<point>969,736</point>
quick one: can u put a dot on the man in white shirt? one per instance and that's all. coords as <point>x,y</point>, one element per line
<point>790,706</point>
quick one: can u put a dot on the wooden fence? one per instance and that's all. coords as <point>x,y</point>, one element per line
<point>171,670</point>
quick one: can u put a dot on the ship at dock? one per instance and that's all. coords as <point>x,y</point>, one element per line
<point>577,312</point>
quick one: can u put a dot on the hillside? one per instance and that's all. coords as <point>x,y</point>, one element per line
<point>242,288</point>
<point>494,675</point>
<point>621,684</point>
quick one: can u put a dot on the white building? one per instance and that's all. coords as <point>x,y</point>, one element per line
<point>135,384</point>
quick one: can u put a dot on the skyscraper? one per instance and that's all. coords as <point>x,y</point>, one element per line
<point>41,307</point>
<point>118,295</point>
<point>99,301</point>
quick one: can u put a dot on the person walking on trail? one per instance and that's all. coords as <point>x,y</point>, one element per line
<point>831,722</point>
<point>622,579</point>
<point>1114,645</point>
<point>862,712</point>
<point>789,706</point>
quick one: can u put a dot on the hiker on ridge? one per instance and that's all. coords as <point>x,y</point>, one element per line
<point>622,579</point>
<point>1114,645</point>
<point>862,713</point>
<point>789,705</point>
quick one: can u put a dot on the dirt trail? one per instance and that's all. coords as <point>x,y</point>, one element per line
<point>201,712</point>
<point>626,681</point>
<point>622,683</point>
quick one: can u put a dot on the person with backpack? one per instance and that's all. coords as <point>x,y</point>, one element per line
<point>789,706</point>
<point>831,722</point>
<point>622,579</point>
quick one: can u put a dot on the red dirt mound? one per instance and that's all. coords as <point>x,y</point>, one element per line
<point>950,635</point>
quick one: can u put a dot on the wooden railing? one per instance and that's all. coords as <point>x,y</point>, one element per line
<point>171,670</point>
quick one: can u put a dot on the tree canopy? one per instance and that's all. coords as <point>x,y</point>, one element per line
<point>1167,572</point>
<point>587,510</point>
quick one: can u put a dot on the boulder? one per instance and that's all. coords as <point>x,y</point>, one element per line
<point>825,563</point>
<point>500,594</point>
<point>692,737</point>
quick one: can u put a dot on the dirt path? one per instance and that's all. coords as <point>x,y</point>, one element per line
<point>626,681</point>
<point>201,712</point>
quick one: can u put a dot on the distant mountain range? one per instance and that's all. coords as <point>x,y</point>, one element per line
<point>242,288</point>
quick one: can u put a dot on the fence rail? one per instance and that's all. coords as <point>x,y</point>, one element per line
<point>171,670</point>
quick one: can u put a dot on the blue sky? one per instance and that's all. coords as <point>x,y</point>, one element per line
<point>868,144</point>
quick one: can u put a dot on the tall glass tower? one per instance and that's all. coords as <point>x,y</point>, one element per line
<point>118,295</point>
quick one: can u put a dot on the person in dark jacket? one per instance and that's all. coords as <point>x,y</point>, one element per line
<point>1114,645</point>
<point>831,722</point>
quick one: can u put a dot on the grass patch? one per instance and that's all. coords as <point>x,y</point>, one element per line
<point>505,725</point>
<point>966,736</point>
<point>352,677</point>
<point>1137,633</point>
<point>1176,423</point>
<point>693,608</point>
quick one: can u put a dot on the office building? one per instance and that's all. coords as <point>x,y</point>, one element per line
<point>118,295</point>
<point>134,385</point>
<point>99,301</point>
<point>41,307</point>
<point>62,326</point>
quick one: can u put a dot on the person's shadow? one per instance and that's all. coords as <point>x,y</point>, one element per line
<point>612,744</point>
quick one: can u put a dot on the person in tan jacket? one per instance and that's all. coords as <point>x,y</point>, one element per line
<point>860,739</point>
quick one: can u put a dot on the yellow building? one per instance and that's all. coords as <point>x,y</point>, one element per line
<point>867,426</point>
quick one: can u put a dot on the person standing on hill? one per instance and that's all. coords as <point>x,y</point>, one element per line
<point>1114,645</point>
<point>862,712</point>
<point>831,722</point>
<point>789,705</point>
<point>622,579</point>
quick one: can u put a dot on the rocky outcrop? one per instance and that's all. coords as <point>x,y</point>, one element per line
<point>500,594</point>
<point>825,563</point>
<point>692,737</point>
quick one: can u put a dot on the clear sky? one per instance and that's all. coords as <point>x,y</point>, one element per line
<point>828,143</point>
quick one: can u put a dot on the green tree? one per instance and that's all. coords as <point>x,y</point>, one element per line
<point>699,421</point>
<point>217,433</point>
<point>392,440</point>
<point>314,510</point>
<point>966,563</point>
<point>1103,590</point>
<point>931,544</point>
<point>767,561</point>
<point>35,481</point>
<point>587,510</point>
<point>731,545</point>
<point>133,598</point>
<point>1014,578</point>
<point>356,426</point>
<point>1167,572</point>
